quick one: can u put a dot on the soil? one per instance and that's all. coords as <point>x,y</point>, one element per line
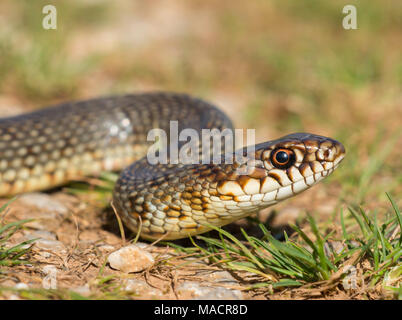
<point>77,235</point>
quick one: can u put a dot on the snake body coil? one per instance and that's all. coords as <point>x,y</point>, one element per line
<point>49,147</point>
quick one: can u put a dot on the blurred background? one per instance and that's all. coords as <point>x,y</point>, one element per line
<point>278,66</point>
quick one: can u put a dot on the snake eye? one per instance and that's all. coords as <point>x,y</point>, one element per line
<point>282,158</point>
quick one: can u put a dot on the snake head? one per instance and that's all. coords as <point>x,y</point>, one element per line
<point>277,170</point>
<point>281,168</point>
<point>293,163</point>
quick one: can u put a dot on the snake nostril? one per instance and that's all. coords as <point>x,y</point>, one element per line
<point>333,153</point>
<point>340,148</point>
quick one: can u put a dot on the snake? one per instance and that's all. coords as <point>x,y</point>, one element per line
<point>57,144</point>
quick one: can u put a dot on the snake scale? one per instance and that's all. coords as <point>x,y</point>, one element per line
<point>54,145</point>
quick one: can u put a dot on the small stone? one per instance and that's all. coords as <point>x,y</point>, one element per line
<point>45,254</point>
<point>200,292</point>
<point>44,202</point>
<point>21,286</point>
<point>51,245</point>
<point>40,234</point>
<point>142,288</point>
<point>83,290</point>
<point>46,212</point>
<point>142,245</point>
<point>214,276</point>
<point>130,259</point>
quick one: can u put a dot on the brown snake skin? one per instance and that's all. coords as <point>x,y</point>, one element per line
<point>49,147</point>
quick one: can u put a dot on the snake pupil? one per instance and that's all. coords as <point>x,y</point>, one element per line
<point>282,158</point>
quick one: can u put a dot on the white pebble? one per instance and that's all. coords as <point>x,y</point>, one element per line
<point>130,259</point>
<point>44,202</point>
<point>21,286</point>
<point>200,292</point>
<point>51,245</point>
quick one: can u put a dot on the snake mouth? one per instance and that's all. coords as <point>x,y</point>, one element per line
<point>280,185</point>
<point>307,180</point>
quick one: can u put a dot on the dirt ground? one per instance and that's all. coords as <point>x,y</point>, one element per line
<point>77,235</point>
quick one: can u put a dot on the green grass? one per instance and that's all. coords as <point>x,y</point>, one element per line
<point>307,259</point>
<point>101,287</point>
<point>98,190</point>
<point>42,69</point>
<point>357,176</point>
<point>16,254</point>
